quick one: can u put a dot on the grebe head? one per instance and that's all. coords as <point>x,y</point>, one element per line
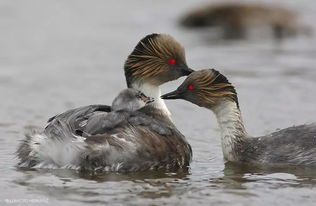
<point>156,59</point>
<point>130,100</point>
<point>205,88</point>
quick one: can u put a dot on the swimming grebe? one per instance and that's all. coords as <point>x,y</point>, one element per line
<point>291,146</point>
<point>147,139</point>
<point>237,19</point>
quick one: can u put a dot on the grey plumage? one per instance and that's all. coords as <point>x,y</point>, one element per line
<point>75,117</point>
<point>151,148</point>
<point>128,101</point>
<point>291,146</point>
<point>124,140</point>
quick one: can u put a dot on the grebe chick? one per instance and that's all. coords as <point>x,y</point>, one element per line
<point>130,100</point>
<point>127,101</point>
<point>146,140</point>
<point>291,146</point>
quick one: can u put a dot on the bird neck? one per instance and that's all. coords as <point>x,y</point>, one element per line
<point>152,90</point>
<point>233,132</point>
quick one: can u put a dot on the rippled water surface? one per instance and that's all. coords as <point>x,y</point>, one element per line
<point>56,55</point>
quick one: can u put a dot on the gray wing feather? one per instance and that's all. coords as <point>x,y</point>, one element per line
<point>292,146</point>
<point>74,117</point>
<point>102,122</point>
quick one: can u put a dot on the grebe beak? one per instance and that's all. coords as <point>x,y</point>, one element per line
<point>173,95</point>
<point>186,71</point>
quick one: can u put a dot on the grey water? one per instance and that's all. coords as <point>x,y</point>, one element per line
<point>57,55</point>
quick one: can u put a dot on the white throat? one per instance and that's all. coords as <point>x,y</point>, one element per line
<point>151,90</point>
<point>231,126</point>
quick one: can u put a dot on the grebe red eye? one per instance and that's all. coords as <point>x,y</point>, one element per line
<point>172,62</point>
<point>191,87</point>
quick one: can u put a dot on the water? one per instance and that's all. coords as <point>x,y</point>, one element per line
<point>56,55</point>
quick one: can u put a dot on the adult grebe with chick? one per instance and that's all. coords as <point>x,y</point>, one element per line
<point>146,139</point>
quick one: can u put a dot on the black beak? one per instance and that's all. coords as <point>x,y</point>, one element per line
<point>186,71</point>
<point>173,95</point>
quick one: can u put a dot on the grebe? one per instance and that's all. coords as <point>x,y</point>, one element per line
<point>291,146</point>
<point>128,101</point>
<point>237,19</point>
<point>146,140</point>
